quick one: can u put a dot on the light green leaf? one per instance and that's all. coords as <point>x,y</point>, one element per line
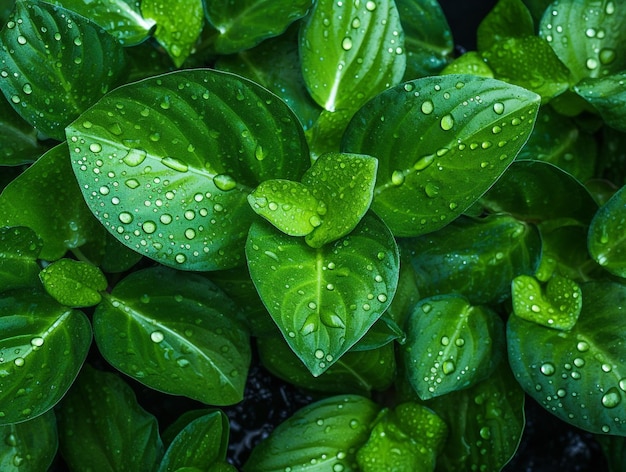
<point>19,249</point>
<point>351,51</point>
<point>345,183</point>
<point>73,283</point>
<point>175,332</point>
<point>30,446</point>
<point>563,370</point>
<point>607,237</point>
<point>450,345</point>
<point>43,346</point>
<point>587,36</point>
<point>52,67</point>
<point>469,63</point>
<point>176,156</point>
<point>322,436</point>
<point>441,142</point>
<point>122,437</point>
<point>608,96</point>
<point>47,199</point>
<point>18,139</point>
<point>178,25</point>
<point>324,300</point>
<point>507,19</point>
<point>245,23</point>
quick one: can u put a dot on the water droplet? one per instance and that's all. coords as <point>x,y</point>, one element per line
<point>15,99</point>
<point>132,183</point>
<point>319,354</point>
<point>346,44</point>
<point>610,8</point>
<point>423,162</point>
<point>57,36</point>
<point>622,384</point>
<point>78,42</point>
<point>485,432</point>
<point>27,89</point>
<point>19,361</point>
<point>498,108</point>
<point>426,307</point>
<point>174,164</point>
<point>397,177</point>
<point>547,369</point>
<point>431,190</point>
<point>447,122</point>
<point>611,398</point>
<point>356,23</point>
<point>180,258</point>
<point>165,218</point>
<point>149,227</point>
<point>607,55</point>
<point>125,217</point>
<point>224,182</point>
<point>370,5</point>
<point>182,362</point>
<point>591,63</point>
<point>134,157</point>
<point>21,39</point>
<point>156,336</point>
<point>427,107</point>
<point>579,362</point>
<point>606,368</point>
<point>382,298</point>
<point>315,221</point>
<point>448,367</point>
<point>459,342</point>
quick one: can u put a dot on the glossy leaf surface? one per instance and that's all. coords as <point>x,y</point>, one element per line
<point>167,169</point>
<point>122,437</point>
<point>176,333</point>
<point>607,235</point>
<point>320,436</point>
<point>42,346</point>
<point>51,64</point>
<point>29,446</point>
<point>73,283</point>
<point>469,63</point>
<point>470,130</point>
<point>507,19</point>
<point>19,249</point>
<point>324,300</point>
<point>563,370</point>
<point>608,96</point>
<point>18,138</point>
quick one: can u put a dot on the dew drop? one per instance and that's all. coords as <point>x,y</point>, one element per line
<point>15,99</point>
<point>611,398</point>
<point>370,5</point>
<point>431,190</point>
<point>224,182</point>
<point>156,336</point>
<point>132,183</point>
<point>27,89</point>
<point>346,44</point>
<point>591,63</point>
<point>180,258</point>
<point>165,218</point>
<point>19,361</point>
<point>319,354</point>
<point>174,164</point>
<point>498,108</point>
<point>447,122</point>
<point>397,177</point>
<point>547,369</point>
<point>448,367</point>
<point>134,157</point>
<point>21,39</point>
<point>125,217</point>
<point>424,162</point>
<point>427,107</point>
<point>607,56</point>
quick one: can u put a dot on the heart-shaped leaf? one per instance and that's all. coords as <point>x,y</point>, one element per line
<point>30,446</point>
<point>608,96</point>
<point>177,333</point>
<point>74,283</point>
<point>166,164</point>
<point>607,235</point>
<point>19,249</point>
<point>324,300</point>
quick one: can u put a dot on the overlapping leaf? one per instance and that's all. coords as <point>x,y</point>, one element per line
<point>30,446</point>
<point>19,249</point>
<point>73,283</point>
<point>608,96</point>
<point>607,234</point>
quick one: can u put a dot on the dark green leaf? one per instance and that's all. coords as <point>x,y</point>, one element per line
<point>73,283</point>
<point>42,347</point>
<point>614,448</point>
<point>324,300</point>
<point>564,251</point>
<point>116,257</point>
<point>321,436</point>
<point>469,63</point>
<point>122,437</point>
<point>166,163</point>
<point>607,235</point>
<point>537,8</point>
<point>508,19</point>
<point>47,199</point>
<point>18,139</point>
<point>177,333</point>
<point>245,23</point>
<point>19,249</point>
<point>450,345</point>
<point>608,96</point>
<point>384,331</point>
<point>52,64</point>
<point>441,142</point>
<point>475,258</point>
<point>577,375</point>
<point>29,446</point>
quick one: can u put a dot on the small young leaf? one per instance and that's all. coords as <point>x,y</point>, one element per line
<point>44,345</point>
<point>74,283</point>
<point>607,235</point>
<point>324,300</point>
<point>175,332</point>
<point>464,144</point>
<point>469,63</point>
<point>19,249</point>
<point>608,96</point>
<point>324,435</point>
<point>52,66</point>
<point>30,446</point>
<point>122,437</point>
<point>508,19</point>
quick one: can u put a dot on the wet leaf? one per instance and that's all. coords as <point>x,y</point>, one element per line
<point>51,66</point>
<point>176,333</point>
<point>470,130</point>
<point>507,19</point>
<point>324,300</point>
<point>42,347</point>
<point>30,446</point>
<point>323,435</point>
<point>608,96</point>
<point>121,437</point>
<point>607,238</point>
<point>577,375</point>
<point>469,63</point>
<point>19,250</point>
<point>19,144</point>
<point>169,179</point>
<point>73,283</point>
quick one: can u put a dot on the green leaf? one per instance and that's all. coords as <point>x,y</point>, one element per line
<point>42,347</point>
<point>120,18</point>
<point>30,446</point>
<point>166,164</point>
<point>179,24</point>
<point>19,249</point>
<point>507,19</point>
<point>585,35</point>
<point>469,131</point>
<point>324,300</point>
<point>383,332</point>
<point>450,345</point>
<point>563,370</point>
<point>18,138</point>
<point>607,238</point>
<point>320,436</point>
<point>475,258</point>
<point>345,183</point>
<point>175,332</point>
<point>351,51</point>
<point>289,206</point>
<point>427,37</point>
<point>614,448</point>
<point>245,23</point>
<point>537,8</point>
<point>74,283</point>
<point>556,306</point>
<point>469,63</point>
<point>202,442</point>
<point>121,437</point>
<point>608,96</point>
<point>52,67</point>
<point>47,199</point>
<point>529,62</point>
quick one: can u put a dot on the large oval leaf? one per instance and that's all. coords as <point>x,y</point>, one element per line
<point>166,163</point>
<point>577,375</point>
<point>441,142</point>
<point>42,347</point>
<point>30,446</point>
<point>607,234</point>
<point>177,333</point>
<point>324,300</point>
<point>608,96</point>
